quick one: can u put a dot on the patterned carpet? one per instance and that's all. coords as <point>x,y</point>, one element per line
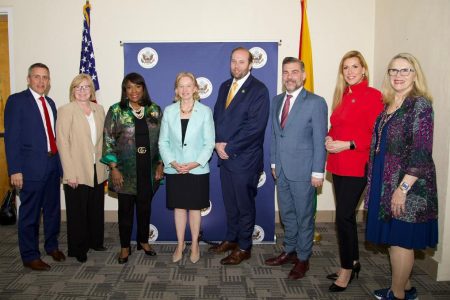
<point>101,277</point>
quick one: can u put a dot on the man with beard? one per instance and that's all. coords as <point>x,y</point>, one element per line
<point>240,115</point>
<point>297,156</point>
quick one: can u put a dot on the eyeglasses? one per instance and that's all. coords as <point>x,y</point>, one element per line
<point>403,72</point>
<point>82,88</point>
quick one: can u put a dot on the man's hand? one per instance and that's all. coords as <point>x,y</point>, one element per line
<point>17,180</point>
<point>220,149</point>
<point>274,175</point>
<point>316,182</point>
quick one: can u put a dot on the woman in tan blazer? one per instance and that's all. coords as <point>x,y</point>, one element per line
<point>79,135</point>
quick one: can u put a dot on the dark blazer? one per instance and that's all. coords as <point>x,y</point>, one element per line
<point>299,148</point>
<point>242,125</point>
<point>25,137</point>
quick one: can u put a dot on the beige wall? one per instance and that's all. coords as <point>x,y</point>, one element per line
<point>423,29</point>
<point>50,31</point>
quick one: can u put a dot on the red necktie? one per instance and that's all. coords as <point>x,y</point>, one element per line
<point>285,112</point>
<point>48,124</point>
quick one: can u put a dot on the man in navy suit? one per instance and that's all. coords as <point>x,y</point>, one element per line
<point>297,156</point>
<point>34,166</point>
<point>240,115</point>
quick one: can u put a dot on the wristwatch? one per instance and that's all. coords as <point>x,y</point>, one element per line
<point>352,145</point>
<point>404,187</point>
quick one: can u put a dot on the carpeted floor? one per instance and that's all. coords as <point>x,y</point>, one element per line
<point>143,277</point>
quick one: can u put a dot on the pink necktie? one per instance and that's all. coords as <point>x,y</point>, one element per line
<point>285,112</point>
<point>48,124</point>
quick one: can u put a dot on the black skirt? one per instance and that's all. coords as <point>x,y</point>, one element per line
<point>187,191</point>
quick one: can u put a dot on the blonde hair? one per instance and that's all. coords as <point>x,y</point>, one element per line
<point>76,81</point>
<point>196,95</point>
<point>420,87</point>
<point>341,84</point>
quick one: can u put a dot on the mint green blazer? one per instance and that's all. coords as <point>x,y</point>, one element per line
<point>199,140</point>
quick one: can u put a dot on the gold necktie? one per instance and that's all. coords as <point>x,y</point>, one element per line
<point>231,94</point>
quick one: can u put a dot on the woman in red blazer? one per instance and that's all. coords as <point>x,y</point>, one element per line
<point>355,108</point>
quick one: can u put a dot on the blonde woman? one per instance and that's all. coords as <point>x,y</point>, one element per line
<point>79,132</point>
<point>186,143</point>
<point>401,193</point>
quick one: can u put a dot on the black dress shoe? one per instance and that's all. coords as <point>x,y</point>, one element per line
<point>150,252</point>
<point>100,248</point>
<point>82,258</point>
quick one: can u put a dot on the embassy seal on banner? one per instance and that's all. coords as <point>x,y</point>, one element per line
<point>159,63</point>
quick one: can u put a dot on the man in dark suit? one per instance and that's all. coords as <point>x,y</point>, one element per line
<point>240,115</point>
<point>297,156</point>
<point>34,166</point>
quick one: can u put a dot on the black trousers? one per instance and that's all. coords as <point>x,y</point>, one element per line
<point>85,210</point>
<point>127,203</point>
<point>348,192</point>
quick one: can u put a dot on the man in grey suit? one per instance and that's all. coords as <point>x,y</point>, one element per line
<point>297,154</point>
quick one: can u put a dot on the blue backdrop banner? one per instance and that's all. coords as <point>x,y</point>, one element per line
<point>159,63</point>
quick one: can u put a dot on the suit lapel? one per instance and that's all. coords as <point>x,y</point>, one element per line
<point>34,106</point>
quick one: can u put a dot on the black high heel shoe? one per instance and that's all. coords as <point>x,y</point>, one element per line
<point>122,260</point>
<point>356,269</point>
<point>334,288</point>
<point>150,252</point>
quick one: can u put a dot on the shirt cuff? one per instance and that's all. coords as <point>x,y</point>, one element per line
<point>272,166</point>
<point>317,175</point>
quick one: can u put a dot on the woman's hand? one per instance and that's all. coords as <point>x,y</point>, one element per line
<point>73,183</point>
<point>187,167</point>
<point>337,146</point>
<point>159,173</point>
<point>398,202</point>
<point>117,178</point>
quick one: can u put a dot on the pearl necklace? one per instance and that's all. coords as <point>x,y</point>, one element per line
<point>138,113</point>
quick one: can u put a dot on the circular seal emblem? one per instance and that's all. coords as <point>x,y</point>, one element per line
<point>147,57</point>
<point>205,87</point>
<point>206,211</point>
<point>259,57</point>
<point>153,233</point>
<point>258,234</point>
<point>262,179</point>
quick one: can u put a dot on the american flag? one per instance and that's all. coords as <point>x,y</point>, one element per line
<point>87,60</point>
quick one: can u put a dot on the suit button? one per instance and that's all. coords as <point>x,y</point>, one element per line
<point>184,144</point>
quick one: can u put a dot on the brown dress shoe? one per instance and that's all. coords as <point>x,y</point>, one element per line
<point>37,265</point>
<point>299,270</point>
<point>236,257</point>
<point>57,255</point>
<point>223,247</point>
<point>283,258</point>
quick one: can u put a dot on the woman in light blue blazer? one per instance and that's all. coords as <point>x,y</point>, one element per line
<point>186,142</point>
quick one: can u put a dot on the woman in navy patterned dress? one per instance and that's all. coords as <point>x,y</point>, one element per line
<point>402,196</point>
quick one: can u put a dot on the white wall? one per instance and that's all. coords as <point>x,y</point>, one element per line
<point>50,32</point>
<point>423,29</point>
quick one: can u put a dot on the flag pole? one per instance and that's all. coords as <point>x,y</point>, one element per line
<point>305,55</point>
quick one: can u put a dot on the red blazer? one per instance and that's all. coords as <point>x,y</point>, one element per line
<point>354,119</point>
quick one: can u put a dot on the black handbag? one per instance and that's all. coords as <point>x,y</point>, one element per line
<point>8,211</point>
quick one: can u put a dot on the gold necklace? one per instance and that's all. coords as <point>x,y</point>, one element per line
<point>188,111</point>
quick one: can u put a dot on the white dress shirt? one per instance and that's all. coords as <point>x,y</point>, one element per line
<point>50,113</point>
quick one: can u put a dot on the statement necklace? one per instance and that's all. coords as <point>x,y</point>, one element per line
<point>138,113</point>
<point>188,111</point>
<point>385,117</point>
